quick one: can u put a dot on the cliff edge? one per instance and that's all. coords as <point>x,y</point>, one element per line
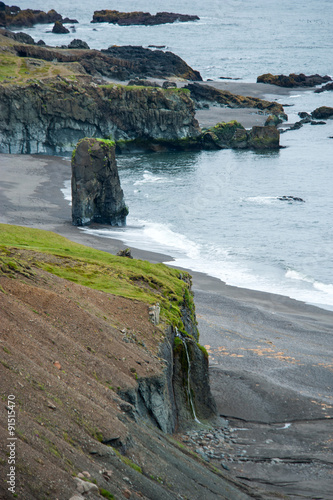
<point>93,381</point>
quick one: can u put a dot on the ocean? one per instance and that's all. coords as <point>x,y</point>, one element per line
<point>219,212</point>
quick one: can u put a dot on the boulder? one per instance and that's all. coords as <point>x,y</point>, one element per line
<point>78,44</point>
<point>59,28</point>
<point>96,192</point>
<point>322,113</point>
<point>234,135</point>
<point>264,138</point>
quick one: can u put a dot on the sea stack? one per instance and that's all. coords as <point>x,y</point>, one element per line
<point>96,192</point>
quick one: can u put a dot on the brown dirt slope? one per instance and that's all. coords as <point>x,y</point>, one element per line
<point>65,352</point>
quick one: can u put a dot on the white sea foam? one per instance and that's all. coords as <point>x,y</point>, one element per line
<point>150,178</point>
<point>261,200</point>
<point>67,191</point>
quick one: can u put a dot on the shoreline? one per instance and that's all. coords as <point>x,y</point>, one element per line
<point>270,356</point>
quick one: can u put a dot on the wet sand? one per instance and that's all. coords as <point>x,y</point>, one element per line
<point>271,357</point>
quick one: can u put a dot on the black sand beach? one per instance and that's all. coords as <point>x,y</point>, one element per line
<point>270,356</point>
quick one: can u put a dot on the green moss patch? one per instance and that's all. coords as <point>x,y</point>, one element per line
<point>24,248</point>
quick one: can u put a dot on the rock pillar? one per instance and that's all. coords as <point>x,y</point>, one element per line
<point>96,192</point>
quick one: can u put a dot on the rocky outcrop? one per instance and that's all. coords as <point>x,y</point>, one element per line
<point>78,44</point>
<point>154,63</point>
<point>59,28</point>
<point>234,135</point>
<point>293,80</point>
<point>205,94</point>
<point>121,63</point>
<point>181,394</point>
<point>322,113</point>
<point>325,88</point>
<point>15,17</point>
<point>139,18</point>
<point>51,117</point>
<point>96,192</point>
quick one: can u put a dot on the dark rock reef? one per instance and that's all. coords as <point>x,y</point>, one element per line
<point>15,17</point>
<point>139,18</point>
<point>96,192</point>
<point>293,80</point>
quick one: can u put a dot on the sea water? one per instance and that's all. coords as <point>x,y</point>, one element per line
<point>219,212</point>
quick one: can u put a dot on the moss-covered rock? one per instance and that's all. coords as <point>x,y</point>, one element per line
<point>322,113</point>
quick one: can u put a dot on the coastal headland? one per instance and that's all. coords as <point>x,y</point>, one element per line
<point>108,402</point>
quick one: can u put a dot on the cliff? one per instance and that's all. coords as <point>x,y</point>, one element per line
<point>76,341</point>
<point>52,116</point>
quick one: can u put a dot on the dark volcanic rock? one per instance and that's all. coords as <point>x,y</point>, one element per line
<point>50,117</point>
<point>143,83</point>
<point>322,113</point>
<point>328,86</point>
<point>121,63</point>
<point>96,192</point>
<point>141,18</point>
<point>290,199</point>
<point>154,63</point>
<point>293,80</point>
<point>78,44</point>
<point>59,28</point>
<point>205,94</point>
<point>234,135</point>
<point>14,16</point>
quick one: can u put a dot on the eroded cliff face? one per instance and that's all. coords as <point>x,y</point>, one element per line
<point>51,117</point>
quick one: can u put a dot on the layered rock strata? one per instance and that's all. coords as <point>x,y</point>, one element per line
<point>51,117</point>
<point>96,192</point>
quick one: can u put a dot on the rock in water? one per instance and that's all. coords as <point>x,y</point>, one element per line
<point>96,192</point>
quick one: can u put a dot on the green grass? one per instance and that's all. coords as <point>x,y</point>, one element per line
<point>8,66</point>
<point>130,278</point>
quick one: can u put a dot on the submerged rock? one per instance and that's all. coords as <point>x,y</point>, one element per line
<point>96,192</point>
<point>291,198</point>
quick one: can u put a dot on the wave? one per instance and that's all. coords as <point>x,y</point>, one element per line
<point>67,191</point>
<point>150,178</point>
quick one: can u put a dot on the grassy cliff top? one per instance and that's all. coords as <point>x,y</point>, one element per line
<point>23,249</point>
